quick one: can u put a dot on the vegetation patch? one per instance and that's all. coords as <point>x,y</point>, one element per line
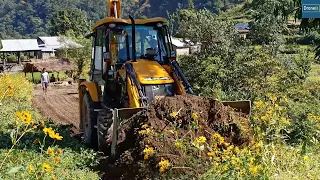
<point>32,147</point>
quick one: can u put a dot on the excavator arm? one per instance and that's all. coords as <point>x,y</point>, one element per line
<point>113,8</point>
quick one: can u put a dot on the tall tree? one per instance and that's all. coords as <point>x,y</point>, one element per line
<point>68,19</point>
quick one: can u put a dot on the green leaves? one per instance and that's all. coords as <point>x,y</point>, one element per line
<point>15,169</point>
<point>69,19</point>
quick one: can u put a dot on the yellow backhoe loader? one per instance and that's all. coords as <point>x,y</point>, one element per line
<point>133,61</point>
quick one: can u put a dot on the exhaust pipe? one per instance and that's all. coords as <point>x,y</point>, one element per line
<point>134,58</point>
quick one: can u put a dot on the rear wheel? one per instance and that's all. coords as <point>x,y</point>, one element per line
<point>104,128</point>
<point>89,120</point>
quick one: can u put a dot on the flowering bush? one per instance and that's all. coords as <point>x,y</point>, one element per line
<point>271,119</point>
<point>15,88</point>
<point>32,147</point>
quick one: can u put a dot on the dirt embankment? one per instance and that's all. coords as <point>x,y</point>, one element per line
<point>176,130</point>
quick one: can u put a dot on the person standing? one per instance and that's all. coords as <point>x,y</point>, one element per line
<point>44,80</point>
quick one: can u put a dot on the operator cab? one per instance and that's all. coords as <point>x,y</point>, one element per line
<point>150,43</point>
<point>114,48</point>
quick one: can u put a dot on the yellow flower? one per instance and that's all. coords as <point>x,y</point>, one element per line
<point>258,103</point>
<point>42,123</point>
<point>59,151</point>
<point>143,132</point>
<point>25,116</point>
<point>264,118</point>
<point>198,142</point>
<point>19,115</point>
<point>211,154</point>
<point>253,170</point>
<point>285,99</point>
<point>54,178</point>
<point>164,165</point>
<point>46,167</point>
<point>272,97</point>
<point>10,92</point>
<point>236,150</point>
<point>217,159</point>
<point>47,130</point>
<point>234,160</point>
<point>144,126</point>
<point>148,151</point>
<point>35,127</point>
<point>30,168</point>
<point>305,158</point>
<point>178,144</point>
<point>251,160</point>
<point>218,138</point>
<point>50,151</point>
<point>56,160</point>
<point>202,139</point>
<point>174,114</point>
<point>57,136</point>
<point>195,116</point>
<point>260,144</point>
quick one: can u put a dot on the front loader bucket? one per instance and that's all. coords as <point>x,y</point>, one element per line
<point>125,113</point>
<point>240,106</point>
<point>118,116</point>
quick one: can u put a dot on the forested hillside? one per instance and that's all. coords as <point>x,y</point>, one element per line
<point>30,18</point>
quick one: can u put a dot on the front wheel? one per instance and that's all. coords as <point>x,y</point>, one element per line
<point>105,130</point>
<point>89,120</point>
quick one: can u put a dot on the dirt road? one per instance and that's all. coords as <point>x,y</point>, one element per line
<point>60,104</point>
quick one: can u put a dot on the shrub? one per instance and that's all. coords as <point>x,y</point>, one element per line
<point>31,147</point>
<point>12,59</point>
<point>22,57</point>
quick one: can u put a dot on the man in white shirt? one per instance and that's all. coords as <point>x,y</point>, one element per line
<point>44,80</point>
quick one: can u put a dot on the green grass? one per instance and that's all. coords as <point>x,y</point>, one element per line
<point>315,73</point>
<point>37,76</point>
<point>290,163</point>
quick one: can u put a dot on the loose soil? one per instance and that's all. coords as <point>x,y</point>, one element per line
<point>213,117</point>
<point>60,104</point>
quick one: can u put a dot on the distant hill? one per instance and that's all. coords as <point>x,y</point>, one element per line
<point>25,18</point>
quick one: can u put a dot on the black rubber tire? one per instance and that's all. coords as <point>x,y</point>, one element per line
<point>105,120</point>
<point>89,130</point>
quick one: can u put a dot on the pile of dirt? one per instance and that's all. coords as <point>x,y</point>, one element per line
<point>170,126</point>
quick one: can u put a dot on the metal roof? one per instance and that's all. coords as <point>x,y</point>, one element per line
<point>19,45</point>
<point>56,42</point>
<point>178,43</point>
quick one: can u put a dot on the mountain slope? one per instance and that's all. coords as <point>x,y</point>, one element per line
<point>29,18</point>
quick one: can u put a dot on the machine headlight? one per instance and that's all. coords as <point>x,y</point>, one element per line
<point>112,25</point>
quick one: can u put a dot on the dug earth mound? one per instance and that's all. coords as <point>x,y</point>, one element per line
<point>178,137</point>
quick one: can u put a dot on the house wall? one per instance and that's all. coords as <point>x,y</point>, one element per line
<point>195,49</point>
<point>46,55</point>
<point>182,51</point>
